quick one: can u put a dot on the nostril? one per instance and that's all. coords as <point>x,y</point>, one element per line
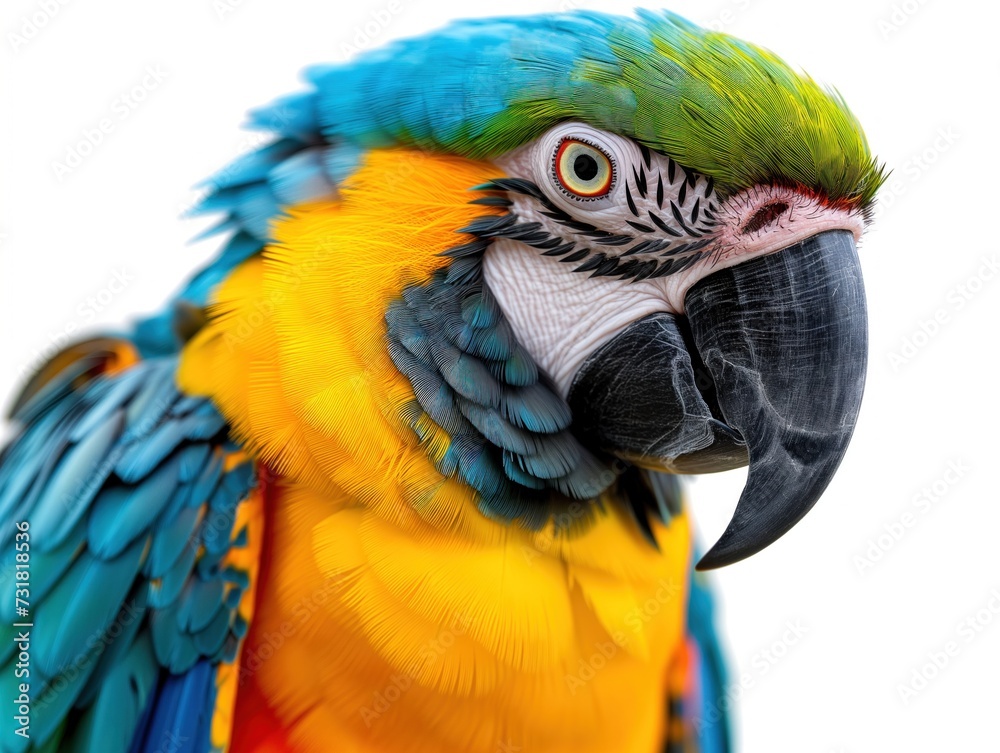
<point>765,216</point>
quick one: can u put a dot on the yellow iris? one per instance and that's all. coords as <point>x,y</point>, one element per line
<point>583,169</point>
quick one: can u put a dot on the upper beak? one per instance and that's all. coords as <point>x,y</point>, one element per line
<point>767,367</point>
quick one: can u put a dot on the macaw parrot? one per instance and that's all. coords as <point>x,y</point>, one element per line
<point>398,470</point>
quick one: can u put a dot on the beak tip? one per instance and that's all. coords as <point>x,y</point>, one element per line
<point>727,551</point>
<point>809,301</point>
<point>707,563</point>
<point>763,515</point>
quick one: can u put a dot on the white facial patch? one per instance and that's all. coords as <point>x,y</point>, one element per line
<point>606,251</point>
<point>561,317</point>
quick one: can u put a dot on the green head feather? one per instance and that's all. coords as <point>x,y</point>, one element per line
<point>718,105</point>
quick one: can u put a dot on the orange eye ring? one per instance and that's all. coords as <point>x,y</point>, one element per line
<point>583,170</point>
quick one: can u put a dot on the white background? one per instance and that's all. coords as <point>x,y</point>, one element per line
<point>920,76</point>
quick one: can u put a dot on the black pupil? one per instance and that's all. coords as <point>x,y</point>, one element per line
<point>585,167</point>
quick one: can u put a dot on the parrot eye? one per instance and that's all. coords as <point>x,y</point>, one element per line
<point>582,170</point>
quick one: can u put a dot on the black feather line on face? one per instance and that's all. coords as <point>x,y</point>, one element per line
<point>661,223</point>
<point>641,227</point>
<point>646,156</point>
<point>630,201</point>
<point>598,263</point>
<point>640,181</point>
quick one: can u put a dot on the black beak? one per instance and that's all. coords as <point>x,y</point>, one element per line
<point>767,367</point>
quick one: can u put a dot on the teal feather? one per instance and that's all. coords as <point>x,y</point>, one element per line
<point>186,405</point>
<point>497,430</point>
<point>129,622</point>
<point>210,563</point>
<point>105,566</point>
<point>83,605</point>
<point>121,513</point>
<point>251,167</point>
<point>165,592</point>
<point>140,458</point>
<point>174,648</point>
<point>170,538</point>
<point>533,408</point>
<point>23,464</point>
<point>75,482</point>
<point>199,603</point>
<point>242,537</point>
<point>46,568</point>
<point>293,114</point>
<point>207,480</point>
<point>192,460</point>
<point>233,596</point>
<point>520,370</point>
<point>117,395</point>
<point>52,393</point>
<point>239,577</point>
<point>209,640</point>
<point>107,725</point>
<point>518,475</point>
<point>55,699</point>
<point>236,482</point>
<point>153,400</point>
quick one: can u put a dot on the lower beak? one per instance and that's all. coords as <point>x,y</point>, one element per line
<point>767,368</point>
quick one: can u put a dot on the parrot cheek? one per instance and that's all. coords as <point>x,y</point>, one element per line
<point>766,368</point>
<point>561,317</point>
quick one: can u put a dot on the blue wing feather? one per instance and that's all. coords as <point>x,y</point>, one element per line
<point>121,478</point>
<point>181,720</point>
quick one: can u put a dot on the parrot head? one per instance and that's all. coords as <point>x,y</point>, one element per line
<point>664,276</point>
<point>691,328</point>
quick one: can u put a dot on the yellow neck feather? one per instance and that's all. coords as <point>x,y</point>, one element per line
<point>295,357</point>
